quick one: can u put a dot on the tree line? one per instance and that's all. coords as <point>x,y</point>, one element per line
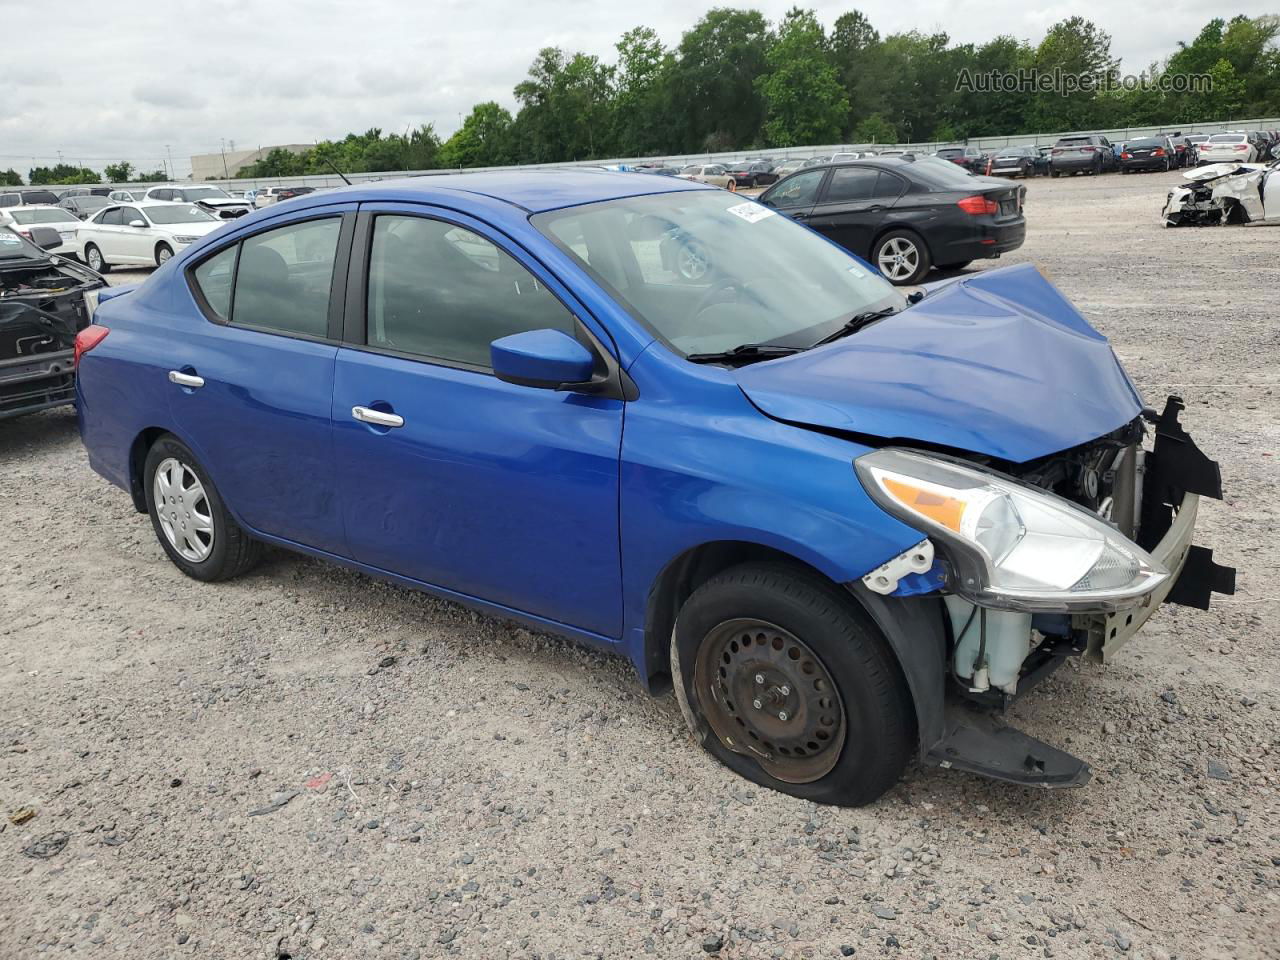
<point>62,174</point>
<point>736,82</point>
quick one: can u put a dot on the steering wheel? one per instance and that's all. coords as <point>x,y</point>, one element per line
<point>724,283</point>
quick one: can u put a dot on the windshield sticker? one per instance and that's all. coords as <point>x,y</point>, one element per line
<point>751,211</point>
<point>10,239</point>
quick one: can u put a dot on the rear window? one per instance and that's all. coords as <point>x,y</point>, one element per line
<point>950,152</point>
<point>1228,138</point>
<point>1075,142</point>
<point>943,173</point>
<point>1144,144</point>
<point>26,217</point>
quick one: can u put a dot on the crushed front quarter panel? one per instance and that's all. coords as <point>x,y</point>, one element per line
<point>1225,193</point>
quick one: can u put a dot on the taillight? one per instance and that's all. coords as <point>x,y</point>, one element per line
<point>87,339</point>
<point>1126,156</point>
<point>1241,148</point>
<point>1158,152</point>
<point>978,205</point>
<point>1055,152</point>
<point>1088,149</point>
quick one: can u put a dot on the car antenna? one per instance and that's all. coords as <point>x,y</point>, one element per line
<point>334,167</point>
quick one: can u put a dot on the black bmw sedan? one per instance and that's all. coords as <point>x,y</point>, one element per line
<point>905,214</point>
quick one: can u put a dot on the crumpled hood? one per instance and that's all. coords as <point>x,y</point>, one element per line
<point>999,364</point>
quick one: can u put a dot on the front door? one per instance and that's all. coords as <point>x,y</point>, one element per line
<point>448,475</point>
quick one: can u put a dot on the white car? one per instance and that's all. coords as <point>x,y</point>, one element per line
<point>715,174</point>
<point>22,219</point>
<point>266,195</point>
<point>1225,193</point>
<point>141,234</point>
<point>135,195</point>
<point>214,199</point>
<point>1227,148</point>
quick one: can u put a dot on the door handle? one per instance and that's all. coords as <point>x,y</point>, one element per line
<point>185,379</point>
<point>377,417</point>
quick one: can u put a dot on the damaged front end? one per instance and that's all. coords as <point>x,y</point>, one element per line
<point>1223,194</point>
<point>1135,494</point>
<point>44,302</point>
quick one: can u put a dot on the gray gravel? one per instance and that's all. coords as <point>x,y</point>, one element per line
<point>309,763</point>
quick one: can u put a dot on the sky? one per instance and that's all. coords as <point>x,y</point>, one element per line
<point>106,86</point>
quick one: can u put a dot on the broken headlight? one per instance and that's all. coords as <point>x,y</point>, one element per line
<point>1011,546</point>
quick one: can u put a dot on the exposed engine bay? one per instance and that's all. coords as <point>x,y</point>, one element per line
<point>44,302</point>
<point>1223,194</point>
<point>1139,479</point>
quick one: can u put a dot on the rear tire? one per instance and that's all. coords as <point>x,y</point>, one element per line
<point>91,255</point>
<point>189,517</point>
<point>844,729</point>
<point>914,257</point>
<point>954,266</point>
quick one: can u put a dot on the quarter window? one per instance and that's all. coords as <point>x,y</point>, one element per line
<point>440,291</point>
<point>214,278</point>
<point>284,276</point>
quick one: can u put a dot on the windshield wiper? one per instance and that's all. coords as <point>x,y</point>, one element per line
<point>856,323</point>
<point>744,353</point>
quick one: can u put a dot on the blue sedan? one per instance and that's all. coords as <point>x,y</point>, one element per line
<point>844,524</point>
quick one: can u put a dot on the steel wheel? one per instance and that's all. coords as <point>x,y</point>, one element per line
<point>764,691</point>
<point>898,259</point>
<point>183,508</point>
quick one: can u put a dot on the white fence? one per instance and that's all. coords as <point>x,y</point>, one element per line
<point>1021,139</point>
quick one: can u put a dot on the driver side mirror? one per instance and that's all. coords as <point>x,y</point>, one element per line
<point>138,223</point>
<point>548,359</point>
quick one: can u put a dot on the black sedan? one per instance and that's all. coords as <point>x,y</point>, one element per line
<point>905,214</point>
<point>1013,162</point>
<point>1150,153</point>
<point>752,173</point>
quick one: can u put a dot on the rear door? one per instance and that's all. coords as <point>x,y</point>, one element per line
<point>850,209</point>
<point>496,491</point>
<point>130,244</point>
<point>252,389</point>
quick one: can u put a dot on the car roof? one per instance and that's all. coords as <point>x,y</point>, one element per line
<point>533,191</point>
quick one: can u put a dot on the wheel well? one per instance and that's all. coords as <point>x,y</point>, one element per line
<point>890,228</point>
<point>137,459</point>
<point>676,583</point>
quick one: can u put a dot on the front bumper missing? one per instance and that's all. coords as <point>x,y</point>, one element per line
<point>1176,475</point>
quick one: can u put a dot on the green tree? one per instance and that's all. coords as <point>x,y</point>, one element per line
<point>642,92</point>
<point>483,140</point>
<point>565,106</point>
<point>1072,48</point>
<point>155,176</point>
<point>874,129</point>
<point>10,178</point>
<point>121,172</point>
<point>714,99</point>
<point>62,173</point>
<point>804,101</point>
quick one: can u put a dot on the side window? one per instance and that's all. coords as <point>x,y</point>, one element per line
<point>890,186</point>
<point>284,276</point>
<point>214,278</point>
<point>851,183</point>
<point>111,217</point>
<point>441,291</point>
<point>798,191</point>
<point>130,214</point>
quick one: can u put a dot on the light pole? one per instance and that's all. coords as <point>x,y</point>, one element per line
<point>224,159</point>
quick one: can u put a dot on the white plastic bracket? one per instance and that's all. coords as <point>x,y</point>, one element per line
<point>884,578</point>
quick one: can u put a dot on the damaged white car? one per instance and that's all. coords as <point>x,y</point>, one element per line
<point>1225,193</point>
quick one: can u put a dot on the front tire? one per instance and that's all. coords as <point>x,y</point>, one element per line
<point>164,253</point>
<point>93,259</point>
<point>189,517</point>
<point>784,680</point>
<point>901,257</point>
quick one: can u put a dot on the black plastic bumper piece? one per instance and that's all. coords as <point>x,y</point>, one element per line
<point>1200,578</point>
<point>980,743</point>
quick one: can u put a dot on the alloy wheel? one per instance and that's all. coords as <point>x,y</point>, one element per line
<point>898,259</point>
<point>183,508</point>
<point>163,255</point>
<point>94,259</point>
<point>767,694</point>
<point>692,261</point>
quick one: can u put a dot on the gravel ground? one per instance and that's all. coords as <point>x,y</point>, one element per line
<point>309,763</point>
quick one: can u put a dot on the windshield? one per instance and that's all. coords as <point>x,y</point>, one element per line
<point>27,217</point>
<point>205,193</point>
<point>178,213</point>
<point>706,271</point>
<point>13,247</point>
